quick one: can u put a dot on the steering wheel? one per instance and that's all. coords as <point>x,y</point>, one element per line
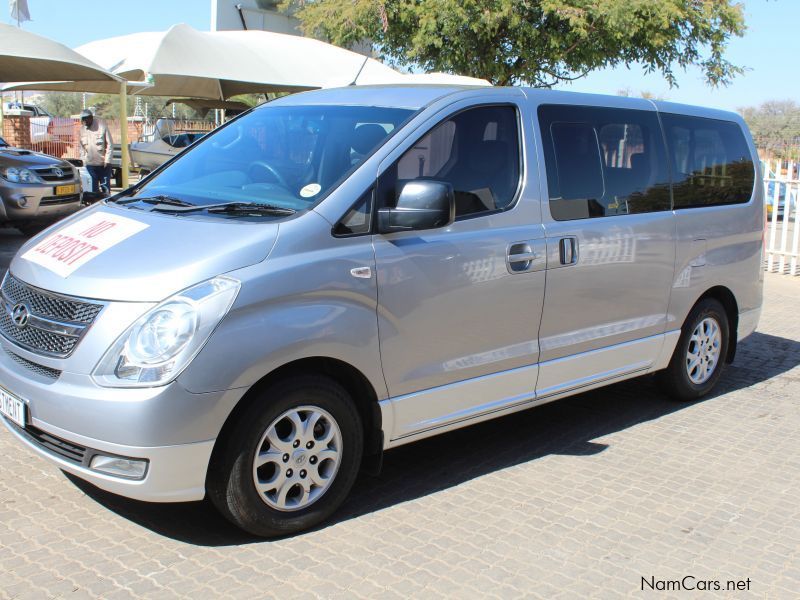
<point>257,165</point>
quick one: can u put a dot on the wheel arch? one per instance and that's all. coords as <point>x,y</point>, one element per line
<point>726,297</point>
<point>350,378</point>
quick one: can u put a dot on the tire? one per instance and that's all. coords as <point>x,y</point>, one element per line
<point>280,510</point>
<point>684,383</point>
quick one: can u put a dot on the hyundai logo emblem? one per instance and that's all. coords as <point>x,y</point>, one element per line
<point>20,315</point>
<point>58,172</point>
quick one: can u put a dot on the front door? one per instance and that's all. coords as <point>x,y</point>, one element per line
<point>459,307</point>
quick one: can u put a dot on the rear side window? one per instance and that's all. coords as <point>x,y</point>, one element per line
<point>711,162</point>
<point>476,150</point>
<point>603,162</point>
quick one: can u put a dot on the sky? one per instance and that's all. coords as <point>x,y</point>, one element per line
<point>770,50</point>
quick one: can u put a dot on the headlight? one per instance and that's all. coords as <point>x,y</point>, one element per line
<point>20,175</point>
<point>26,176</point>
<point>160,344</point>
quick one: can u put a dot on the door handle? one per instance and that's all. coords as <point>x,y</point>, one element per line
<point>523,257</point>
<point>568,250</point>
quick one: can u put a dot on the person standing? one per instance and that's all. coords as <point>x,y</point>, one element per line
<point>96,150</point>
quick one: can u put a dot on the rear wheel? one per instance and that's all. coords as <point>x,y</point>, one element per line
<point>699,357</point>
<point>291,458</point>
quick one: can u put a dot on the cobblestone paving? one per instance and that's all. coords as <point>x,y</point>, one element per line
<point>582,497</point>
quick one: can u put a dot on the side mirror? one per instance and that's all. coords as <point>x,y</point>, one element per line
<point>422,204</point>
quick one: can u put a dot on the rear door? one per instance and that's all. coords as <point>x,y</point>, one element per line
<point>459,307</point>
<point>610,245</point>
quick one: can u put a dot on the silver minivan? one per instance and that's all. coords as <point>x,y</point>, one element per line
<point>340,272</point>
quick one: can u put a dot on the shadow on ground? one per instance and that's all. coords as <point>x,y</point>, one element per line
<point>566,427</point>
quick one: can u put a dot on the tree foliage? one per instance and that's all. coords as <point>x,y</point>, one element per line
<point>775,126</point>
<point>106,106</point>
<point>534,42</point>
<point>62,104</point>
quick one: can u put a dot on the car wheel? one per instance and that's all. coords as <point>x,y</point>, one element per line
<point>290,459</point>
<point>699,357</point>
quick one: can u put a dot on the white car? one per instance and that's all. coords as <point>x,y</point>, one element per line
<point>44,126</point>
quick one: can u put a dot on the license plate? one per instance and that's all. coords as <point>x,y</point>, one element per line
<point>12,407</point>
<point>63,190</point>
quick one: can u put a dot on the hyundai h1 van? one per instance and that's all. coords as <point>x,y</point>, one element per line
<point>340,272</point>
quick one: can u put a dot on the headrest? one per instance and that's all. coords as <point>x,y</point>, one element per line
<point>366,137</point>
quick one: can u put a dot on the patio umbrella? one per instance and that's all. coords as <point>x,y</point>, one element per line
<point>217,65</point>
<point>25,56</point>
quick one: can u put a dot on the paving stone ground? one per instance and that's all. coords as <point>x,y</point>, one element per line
<point>579,498</point>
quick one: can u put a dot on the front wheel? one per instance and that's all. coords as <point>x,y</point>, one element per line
<point>699,356</point>
<point>291,458</point>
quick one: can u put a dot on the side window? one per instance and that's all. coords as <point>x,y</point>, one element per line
<point>477,151</point>
<point>710,160</point>
<point>358,219</point>
<point>603,162</point>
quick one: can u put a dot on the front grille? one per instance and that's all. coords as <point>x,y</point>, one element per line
<point>49,305</point>
<point>70,451</point>
<point>50,200</point>
<point>36,339</point>
<point>57,312</point>
<point>46,372</point>
<point>49,174</point>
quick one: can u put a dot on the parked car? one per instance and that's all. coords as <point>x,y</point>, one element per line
<point>769,200</point>
<point>340,272</point>
<point>45,128</point>
<point>36,189</point>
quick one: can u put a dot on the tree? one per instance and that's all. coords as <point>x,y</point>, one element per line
<point>62,104</point>
<point>534,42</point>
<point>646,94</point>
<point>775,126</point>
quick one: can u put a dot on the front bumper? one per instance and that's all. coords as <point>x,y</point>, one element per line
<point>174,473</point>
<point>70,419</point>
<point>24,201</point>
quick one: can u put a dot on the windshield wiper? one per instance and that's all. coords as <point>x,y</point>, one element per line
<point>243,208</point>
<point>160,199</point>
<point>253,208</point>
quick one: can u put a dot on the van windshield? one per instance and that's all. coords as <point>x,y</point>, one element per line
<point>282,156</point>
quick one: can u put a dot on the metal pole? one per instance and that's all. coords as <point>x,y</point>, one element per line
<point>123,133</point>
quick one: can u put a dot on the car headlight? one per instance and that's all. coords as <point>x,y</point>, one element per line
<point>27,176</point>
<point>17,175</point>
<point>161,343</point>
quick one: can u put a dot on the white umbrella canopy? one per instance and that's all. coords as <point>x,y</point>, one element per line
<point>25,56</point>
<point>217,65</point>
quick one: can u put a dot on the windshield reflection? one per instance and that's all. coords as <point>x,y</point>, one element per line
<point>285,156</point>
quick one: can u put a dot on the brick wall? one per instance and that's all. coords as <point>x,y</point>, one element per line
<point>63,139</point>
<point>17,131</point>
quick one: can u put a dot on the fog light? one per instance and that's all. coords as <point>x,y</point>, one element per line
<point>129,468</point>
<point>23,202</point>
